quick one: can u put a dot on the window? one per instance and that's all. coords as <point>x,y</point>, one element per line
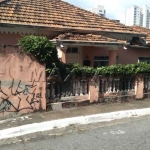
<point>100,61</point>
<point>144,59</point>
<point>72,50</point>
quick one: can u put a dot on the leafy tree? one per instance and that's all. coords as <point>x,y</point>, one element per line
<point>41,48</point>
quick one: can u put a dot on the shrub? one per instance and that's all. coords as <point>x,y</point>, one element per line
<point>41,48</point>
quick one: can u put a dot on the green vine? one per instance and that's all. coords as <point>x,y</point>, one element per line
<point>120,69</point>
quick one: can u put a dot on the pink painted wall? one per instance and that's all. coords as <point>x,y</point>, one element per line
<point>9,39</point>
<point>128,56</point>
<point>125,56</point>
<point>94,51</point>
<point>22,82</point>
<point>12,38</point>
<point>131,55</point>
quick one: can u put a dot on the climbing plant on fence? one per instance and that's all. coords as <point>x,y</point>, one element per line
<point>120,69</point>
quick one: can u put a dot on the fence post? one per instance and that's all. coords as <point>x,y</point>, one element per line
<point>139,86</point>
<point>94,91</point>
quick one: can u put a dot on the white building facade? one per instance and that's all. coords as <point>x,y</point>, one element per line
<point>136,15</point>
<point>146,16</point>
<point>98,10</point>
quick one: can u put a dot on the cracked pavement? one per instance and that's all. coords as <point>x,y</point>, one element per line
<point>125,134</point>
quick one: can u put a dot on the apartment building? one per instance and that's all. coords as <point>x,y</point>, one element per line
<point>136,15</point>
<point>100,10</point>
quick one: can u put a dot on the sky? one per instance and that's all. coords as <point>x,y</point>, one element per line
<point>115,9</point>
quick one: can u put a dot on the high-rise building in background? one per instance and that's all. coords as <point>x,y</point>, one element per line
<point>98,10</point>
<point>136,15</point>
<point>145,16</point>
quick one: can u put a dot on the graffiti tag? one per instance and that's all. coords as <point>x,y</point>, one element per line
<point>23,93</point>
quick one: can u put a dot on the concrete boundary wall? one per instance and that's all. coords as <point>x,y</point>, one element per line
<point>139,91</point>
<point>22,82</point>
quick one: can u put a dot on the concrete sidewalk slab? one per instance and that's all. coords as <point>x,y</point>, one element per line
<point>81,115</point>
<point>49,125</point>
<point>69,113</point>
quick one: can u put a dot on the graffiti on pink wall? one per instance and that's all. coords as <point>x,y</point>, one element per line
<point>28,91</point>
<point>22,83</point>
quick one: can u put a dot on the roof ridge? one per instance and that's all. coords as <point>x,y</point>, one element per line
<point>96,14</point>
<point>56,14</point>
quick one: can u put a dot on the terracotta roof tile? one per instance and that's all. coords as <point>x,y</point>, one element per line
<point>87,37</point>
<point>55,13</point>
<point>142,30</point>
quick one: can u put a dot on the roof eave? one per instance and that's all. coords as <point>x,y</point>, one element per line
<point>55,41</point>
<point>70,29</point>
<point>136,46</point>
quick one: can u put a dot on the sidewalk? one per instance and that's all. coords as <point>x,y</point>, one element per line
<point>81,115</point>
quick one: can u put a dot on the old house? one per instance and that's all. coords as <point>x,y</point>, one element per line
<point>103,50</point>
<point>90,34</point>
<point>77,33</point>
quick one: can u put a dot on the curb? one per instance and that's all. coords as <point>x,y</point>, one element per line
<point>49,125</point>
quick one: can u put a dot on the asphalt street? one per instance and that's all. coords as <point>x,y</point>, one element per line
<point>132,134</point>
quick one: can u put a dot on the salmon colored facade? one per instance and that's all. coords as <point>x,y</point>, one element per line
<point>9,39</point>
<point>131,55</point>
<point>128,56</point>
<point>116,56</point>
<point>13,38</point>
